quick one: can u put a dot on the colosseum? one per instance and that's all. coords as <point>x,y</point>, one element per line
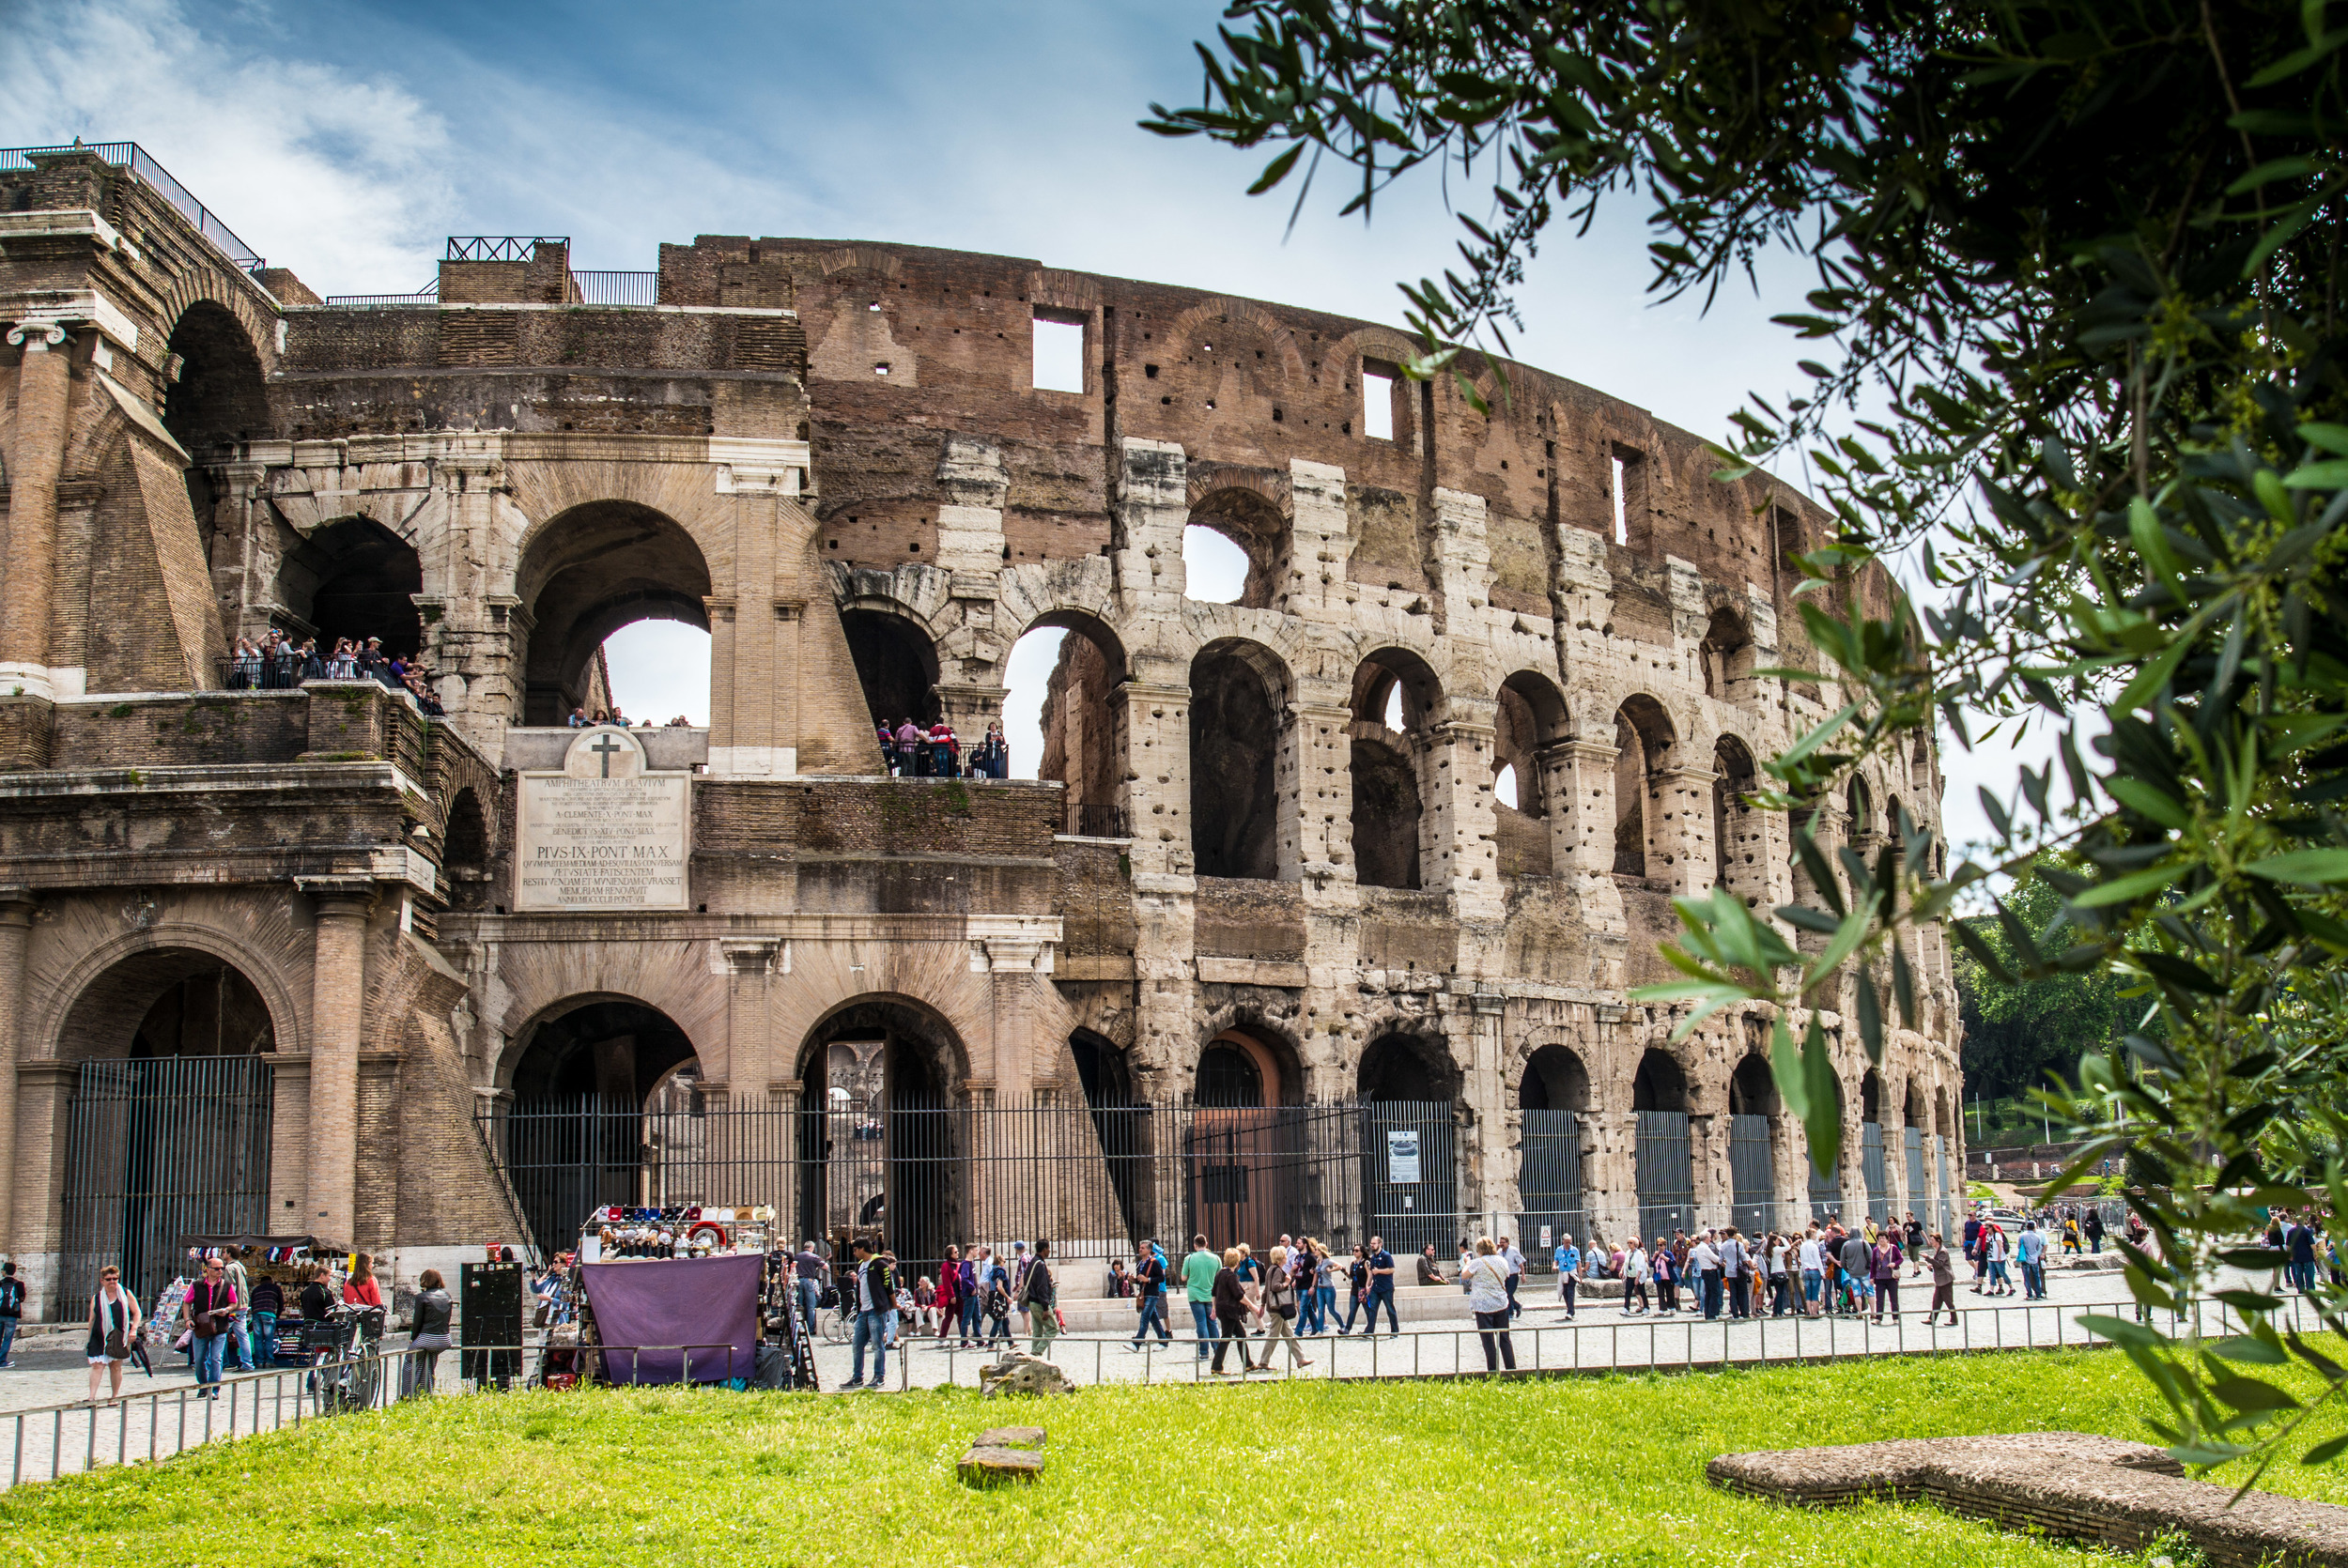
<point>1322,916</point>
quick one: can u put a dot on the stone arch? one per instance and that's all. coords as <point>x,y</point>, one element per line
<point>1870,1095</point>
<point>1740,858</point>
<point>1388,818</point>
<point>1552,1077</point>
<point>1726,654</point>
<point>1234,503</point>
<point>1407,1065</point>
<point>895,654</point>
<point>1246,1060</point>
<point>1751,1087</point>
<point>946,1057</point>
<point>898,1165</point>
<point>1058,289</point>
<point>465,853</point>
<point>589,571</point>
<point>215,399</point>
<point>1661,1083</point>
<point>1239,698</point>
<point>353,577</point>
<point>1643,741</point>
<point>1082,748</point>
<point>80,1018</point>
<point>1530,716</point>
<point>860,258</point>
<point>1858,803</point>
<point>606,1046</point>
<point>1193,330</point>
<point>169,1001</point>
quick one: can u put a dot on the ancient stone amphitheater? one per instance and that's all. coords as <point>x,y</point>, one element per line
<point>1320,918</point>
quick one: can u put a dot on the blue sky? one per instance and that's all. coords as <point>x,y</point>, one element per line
<point>347,140</point>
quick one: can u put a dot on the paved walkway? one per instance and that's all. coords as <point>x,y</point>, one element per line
<point>42,1433</point>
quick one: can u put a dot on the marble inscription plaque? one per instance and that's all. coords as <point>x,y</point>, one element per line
<point>602,835</point>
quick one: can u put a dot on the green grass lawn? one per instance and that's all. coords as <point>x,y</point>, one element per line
<point>1561,1470</point>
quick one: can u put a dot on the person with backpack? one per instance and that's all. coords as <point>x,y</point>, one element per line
<point>998,1306</point>
<point>1150,1282</point>
<point>1279,1310</point>
<point>875,1307</point>
<point>11,1310</point>
<point>1040,1297</point>
<point>1228,1298</point>
<point>1380,1269</point>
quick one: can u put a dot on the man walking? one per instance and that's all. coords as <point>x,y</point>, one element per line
<point>1150,1281</point>
<point>1567,1257</point>
<point>808,1264</point>
<point>2031,1248</point>
<point>1704,1259</point>
<point>1735,1269</point>
<point>1198,1272</point>
<point>1039,1298</point>
<point>876,1315</point>
<point>1381,1288</point>
<point>1516,1272</point>
<point>1857,1266</point>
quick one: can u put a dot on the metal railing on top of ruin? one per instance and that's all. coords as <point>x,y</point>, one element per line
<point>130,156</point>
<point>593,288</point>
<point>1101,822</point>
<point>500,247</point>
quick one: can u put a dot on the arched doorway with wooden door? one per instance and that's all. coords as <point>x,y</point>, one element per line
<point>1252,1155</point>
<point>169,1120</point>
<point>883,1149</point>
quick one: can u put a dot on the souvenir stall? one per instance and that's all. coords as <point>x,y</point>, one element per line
<point>282,1260</point>
<point>686,1294</point>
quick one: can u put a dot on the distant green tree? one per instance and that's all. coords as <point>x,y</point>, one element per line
<point>2024,1034</point>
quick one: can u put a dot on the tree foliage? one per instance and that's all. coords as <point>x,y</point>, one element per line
<point>2082,261</point>
<point>2024,1035</point>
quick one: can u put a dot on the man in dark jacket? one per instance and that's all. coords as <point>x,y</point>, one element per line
<point>11,1309</point>
<point>875,1306</point>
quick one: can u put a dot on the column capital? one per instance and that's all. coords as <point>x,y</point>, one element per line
<point>17,903</point>
<point>38,334</point>
<point>340,894</point>
<point>1576,748</point>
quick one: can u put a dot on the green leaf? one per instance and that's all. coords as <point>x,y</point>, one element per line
<point>1786,1070</point>
<point>2312,868</point>
<point>2250,1393</point>
<point>1823,1123</point>
<point>2120,891</point>
<point>1275,171</point>
<point>2147,801</point>
<point>2326,1451</point>
<point>2120,1330</point>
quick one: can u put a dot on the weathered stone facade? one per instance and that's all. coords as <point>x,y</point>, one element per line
<point>833,456</point>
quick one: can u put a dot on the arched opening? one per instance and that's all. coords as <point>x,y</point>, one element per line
<point>1408,1084</point>
<point>1643,747</point>
<point>881,1151</point>
<point>1871,1153</point>
<point>1753,1109</point>
<point>354,579</point>
<point>1860,803</point>
<point>1061,722</point>
<point>1238,696</point>
<point>1919,768</point>
<point>586,575</point>
<point>465,855</point>
<point>167,1129</point>
<point>1553,1095</point>
<point>1123,1126</point>
<point>214,397</point>
<point>583,1129</point>
<point>896,664</point>
<point>1395,693</point>
<point>1405,1067</point>
<point>1529,718</point>
<point>1943,1154</point>
<point>1665,1176</point>
<point>1912,1145</point>
<point>1243,1138</point>
<point>1233,533</point>
<point>1739,845</point>
<point>1726,654</point>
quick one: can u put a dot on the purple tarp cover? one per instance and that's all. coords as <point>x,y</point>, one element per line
<point>708,1304</point>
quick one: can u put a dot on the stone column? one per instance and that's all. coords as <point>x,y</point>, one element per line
<point>44,384</point>
<point>337,1022</point>
<point>1580,780</point>
<point>1679,803</point>
<point>1456,802</point>
<point>1324,787</point>
<point>1321,544</point>
<point>16,926</point>
<point>1610,1171</point>
<point>1014,962</point>
<point>1154,722</point>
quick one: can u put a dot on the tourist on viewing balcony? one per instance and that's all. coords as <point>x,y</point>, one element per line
<point>579,719</point>
<point>993,757</point>
<point>908,750</point>
<point>1487,1299</point>
<point>888,748</point>
<point>944,751</point>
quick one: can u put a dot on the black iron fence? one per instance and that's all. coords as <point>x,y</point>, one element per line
<point>1099,822</point>
<point>161,1149</point>
<point>1091,1179</point>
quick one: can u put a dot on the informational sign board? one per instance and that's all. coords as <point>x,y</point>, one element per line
<point>1546,1242</point>
<point>606,833</point>
<point>1402,1157</point>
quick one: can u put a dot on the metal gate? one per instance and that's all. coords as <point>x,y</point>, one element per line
<point>1940,1159</point>
<point>158,1151</point>
<point>1752,1182</point>
<point>1870,1170</point>
<point>1549,1184</point>
<point>1826,1187</point>
<point>1666,1176</point>
<point>1916,1202</point>
<point>1410,1184</point>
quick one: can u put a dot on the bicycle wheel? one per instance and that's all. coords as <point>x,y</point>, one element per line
<point>836,1328</point>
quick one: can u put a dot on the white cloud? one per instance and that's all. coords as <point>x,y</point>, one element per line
<point>335,173</point>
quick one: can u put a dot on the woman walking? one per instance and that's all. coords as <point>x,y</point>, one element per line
<point>1357,1283</point>
<point>1635,1272</point>
<point>1230,1311</point>
<point>1666,1268</point>
<point>1279,1307</point>
<point>1943,1281</point>
<point>429,1334</point>
<point>1487,1299</point>
<point>114,1329</point>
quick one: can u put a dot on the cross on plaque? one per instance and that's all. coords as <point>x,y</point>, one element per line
<point>608,747</point>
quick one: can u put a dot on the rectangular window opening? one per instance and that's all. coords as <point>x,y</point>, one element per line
<point>1059,356</point>
<point>1622,526</point>
<point>1377,404</point>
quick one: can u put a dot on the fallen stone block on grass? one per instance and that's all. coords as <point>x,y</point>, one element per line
<point>1010,1436</point>
<point>1020,1373</point>
<point>2072,1484</point>
<point>993,1466</point>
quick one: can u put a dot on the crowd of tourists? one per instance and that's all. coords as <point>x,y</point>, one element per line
<point>276,661</point>
<point>913,750</point>
<point>580,718</point>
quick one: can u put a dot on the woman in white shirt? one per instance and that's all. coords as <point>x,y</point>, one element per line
<point>1635,1277</point>
<point>1487,1281</point>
